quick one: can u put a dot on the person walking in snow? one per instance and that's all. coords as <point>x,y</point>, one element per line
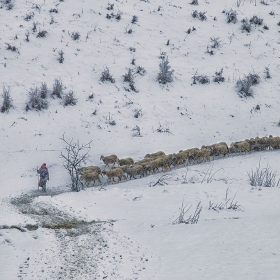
<point>44,177</point>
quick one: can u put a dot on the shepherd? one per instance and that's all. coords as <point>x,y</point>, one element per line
<point>44,177</point>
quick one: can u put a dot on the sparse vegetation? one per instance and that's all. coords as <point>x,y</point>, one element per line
<point>194,2</point>
<point>231,16</point>
<point>165,74</point>
<point>61,56</point>
<point>109,120</point>
<point>134,19</point>
<point>201,79</point>
<point>75,36</point>
<point>136,131</point>
<point>246,25</point>
<point>69,99</point>
<point>218,78</point>
<point>244,85</point>
<point>35,101</point>
<point>106,76</point>
<point>256,20</point>
<point>43,90</point>
<point>141,70</point>
<point>7,99</point>
<point>11,48</point>
<point>199,15</point>
<point>192,219</point>
<point>262,177</point>
<point>57,90</point>
<point>267,73</point>
<point>29,16</point>
<point>42,34</point>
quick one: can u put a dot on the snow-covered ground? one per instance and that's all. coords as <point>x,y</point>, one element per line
<point>133,236</point>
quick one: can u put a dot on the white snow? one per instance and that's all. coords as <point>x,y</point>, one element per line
<point>134,237</point>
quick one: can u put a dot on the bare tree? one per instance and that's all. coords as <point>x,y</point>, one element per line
<point>75,155</point>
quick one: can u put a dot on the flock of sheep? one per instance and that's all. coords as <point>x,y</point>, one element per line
<point>160,162</point>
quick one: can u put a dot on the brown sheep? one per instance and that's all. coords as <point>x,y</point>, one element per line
<point>239,147</point>
<point>91,168</point>
<point>112,159</point>
<point>143,161</point>
<point>155,155</point>
<point>90,177</point>
<point>116,172</point>
<point>134,171</point>
<point>274,142</point>
<point>126,161</point>
<point>203,155</point>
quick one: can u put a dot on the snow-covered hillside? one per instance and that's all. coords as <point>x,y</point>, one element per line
<point>135,234</point>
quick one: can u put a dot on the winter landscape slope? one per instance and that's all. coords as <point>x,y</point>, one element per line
<point>134,237</point>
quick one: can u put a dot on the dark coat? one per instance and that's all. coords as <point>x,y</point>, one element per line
<point>44,173</point>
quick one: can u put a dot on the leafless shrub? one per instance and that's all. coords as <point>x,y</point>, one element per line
<point>27,36</point>
<point>256,20</point>
<point>134,19</point>
<point>11,48</point>
<point>137,113</point>
<point>244,85</point>
<point>7,99</point>
<point>231,16</point>
<point>75,156</point>
<point>57,88</point>
<point>109,120</point>
<point>106,76</point>
<point>272,13</point>
<point>192,219</point>
<point>132,49</point>
<point>61,56</point>
<point>264,2</point>
<point>69,99</point>
<point>29,16</point>
<point>262,177</point>
<point>163,129</point>
<point>215,42</point>
<point>35,101</point>
<point>34,28</point>
<point>161,181</point>
<point>129,76</point>
<point>265,27</point>
<point>199,15</point>
<point>209,175</point>
<point>218,78</point>
<point>128,30</point>
<point>75,36</point>
<point>187,180</point>
<point>42,34</point>
<point>43,90</point>
<point>9,4</point>
<point>201,79</point>
<point>110,7</point>
<point>229,204</point>
<point>118,16</point>
<point>136,131</point>
<point>194,2</point>
<point>246,25</point>
<point>165,74</point>
<point>54,10</point>
<point>267,73</point>
<point>141,70</point>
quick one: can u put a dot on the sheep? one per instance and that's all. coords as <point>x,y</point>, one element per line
<point>203,155</point>
<point>239,147</point>
<point>111,174</point>
<point>90,177</point>
<point>217,149</point>
<point>155,155</point>
<point>143,161</point>
<point>274,142</point>
<point>126,161</point>
<point>110,159</point>
<point>91,168</point>
<point>135,170</point>
<point>253,144</point>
